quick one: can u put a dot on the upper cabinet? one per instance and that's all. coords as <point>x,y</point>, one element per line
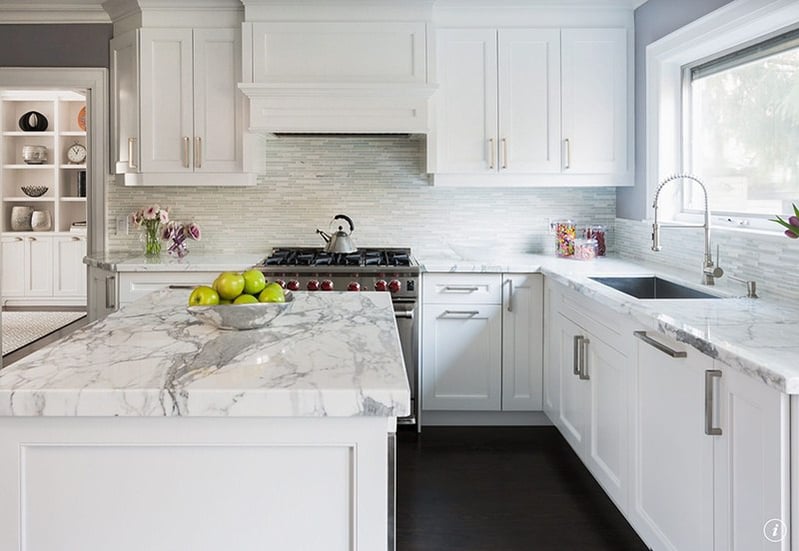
<point>532,107</point>
<point>176,108</point>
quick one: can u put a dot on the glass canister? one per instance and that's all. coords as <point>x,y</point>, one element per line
<point>565,233</point>
<point>585,249</point>
<point>597,233</point>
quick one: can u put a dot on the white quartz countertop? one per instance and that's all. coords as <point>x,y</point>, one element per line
<point>759,337</point>
<point>331,354</point>
<point>192,262</point>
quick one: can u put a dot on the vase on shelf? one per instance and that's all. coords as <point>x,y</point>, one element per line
<point>152,240</point>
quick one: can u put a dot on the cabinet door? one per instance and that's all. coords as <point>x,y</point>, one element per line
<point>608,371</point>
<point>13,266</point>
<point>70,271</point>
<point>673,457</point>
<point>102,293</point>
<point>752,464</point>
<point>125,103</point>
<point>39,265</point>
<point>574,393</point>
<point>217,124</point>
<point>552,351</point>
<point>594,99</point>
<point>466,131</point>
<point>462,357</point>
<point>522,336</point>
<point>167,110</point>
<point>529,100</point>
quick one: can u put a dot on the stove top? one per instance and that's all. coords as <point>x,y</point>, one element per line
<point>363,260</point>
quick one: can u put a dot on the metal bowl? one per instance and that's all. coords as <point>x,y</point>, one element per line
<point>34,191</point>
<point>240,317</point>
<point>34,154</point>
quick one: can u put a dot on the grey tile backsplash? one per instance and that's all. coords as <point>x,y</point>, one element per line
<point>380,182</point>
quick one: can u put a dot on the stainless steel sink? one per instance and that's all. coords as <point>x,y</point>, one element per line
<point>651,287</point>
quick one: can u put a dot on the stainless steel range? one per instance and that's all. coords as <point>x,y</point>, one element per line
<point>391,270</point>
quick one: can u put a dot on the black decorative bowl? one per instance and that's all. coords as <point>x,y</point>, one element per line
<point>34,191</point>
<point>33,121</point>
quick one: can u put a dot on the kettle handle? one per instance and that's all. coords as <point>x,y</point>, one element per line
<point>347,218</point>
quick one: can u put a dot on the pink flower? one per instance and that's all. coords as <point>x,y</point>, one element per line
<point>151,213</point>
<point>164,216</point>
<point>194,231</point>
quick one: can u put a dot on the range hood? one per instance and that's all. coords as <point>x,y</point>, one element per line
<point>339,108</point>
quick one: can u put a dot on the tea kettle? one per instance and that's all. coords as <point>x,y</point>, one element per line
<point>340,241</point>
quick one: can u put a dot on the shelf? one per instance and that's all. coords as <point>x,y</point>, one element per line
<point>30,167</point>
<point>28,199</point>
<point>73,133</point>
<point>77,167</point>
<point>74,199</point>
<point>45,134</point>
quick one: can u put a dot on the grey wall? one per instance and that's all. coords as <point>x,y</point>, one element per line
<point>653,20</point>
<point>73,45</point>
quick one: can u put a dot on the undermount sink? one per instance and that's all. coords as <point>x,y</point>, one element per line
<point>651,287</point>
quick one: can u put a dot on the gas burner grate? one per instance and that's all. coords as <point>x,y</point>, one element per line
<point>317,257</point>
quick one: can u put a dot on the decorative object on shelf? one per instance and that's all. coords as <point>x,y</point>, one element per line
<point>791,225</point>
<point>33,121</point>
<point>78,227</point>
<point>21,218</point>
<point>151,218</point>
<point>81,183</point>
<point>76,154</point>
<point>82,118</point>
<point>565,233</point>
<point>597,233</point>
<point>34,191</point>
<point>34,154</point>
<point>177,233</point>
<point>41,220</point>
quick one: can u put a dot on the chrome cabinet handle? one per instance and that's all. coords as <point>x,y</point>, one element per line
<point>504,153</point>
<point>576,355</point>
<point>198,147</point>
<point>584,359</point>
<point>18,239</point>
<point>662,347</point>
<point>186,141</point>
<point>108,304</point>
<point>469,313</point>
<point>567,161</point>
<point>710,374</point>
<point>510,295</point>
<point>459,289</point>
<point>76,238</point>
<point>131,147</point>
<point>491,153</point>
<point>32,239</point>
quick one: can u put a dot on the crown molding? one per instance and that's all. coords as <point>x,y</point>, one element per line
<point>31,12</point>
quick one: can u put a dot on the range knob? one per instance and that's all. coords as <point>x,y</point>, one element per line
<point>283,283</point>
<point>381,285</point>
<point>293,285</point>
<point>313,285</point>
<point>395,286</point>
<point>327,285</point>
<point>353,286</point>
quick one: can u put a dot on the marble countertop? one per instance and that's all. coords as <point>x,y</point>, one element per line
<point>193,262</point>
<point>331,354</point>
<point>759,337</point>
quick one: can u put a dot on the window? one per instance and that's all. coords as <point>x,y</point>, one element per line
<point>741,129</point>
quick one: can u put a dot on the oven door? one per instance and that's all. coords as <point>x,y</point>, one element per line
<point>407,325</point>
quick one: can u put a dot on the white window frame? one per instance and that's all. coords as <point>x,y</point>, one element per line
<point>734,25</point>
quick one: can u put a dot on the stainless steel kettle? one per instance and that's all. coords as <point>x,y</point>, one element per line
<point>340,241</point>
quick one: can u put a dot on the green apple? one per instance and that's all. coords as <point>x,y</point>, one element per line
<point>273,292</point>
<point>254,281</point>
<point>245,299</point>
<point>229,285</point>
<point>215,283</point>
<point>225,301</point>
<point>203,296</point>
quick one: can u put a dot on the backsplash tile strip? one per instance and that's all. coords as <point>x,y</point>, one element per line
<point>379,182</point>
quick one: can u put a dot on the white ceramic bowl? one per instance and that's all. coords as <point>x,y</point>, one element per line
<point>242,316</point>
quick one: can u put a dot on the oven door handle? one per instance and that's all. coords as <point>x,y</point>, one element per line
<point>404,314</point>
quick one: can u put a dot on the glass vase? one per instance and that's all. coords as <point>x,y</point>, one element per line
<point>152,241</point>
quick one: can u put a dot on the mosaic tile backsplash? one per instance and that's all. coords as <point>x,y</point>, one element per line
<point>379,182</point>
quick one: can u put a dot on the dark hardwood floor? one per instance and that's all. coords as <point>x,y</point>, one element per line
<point>501,489</point>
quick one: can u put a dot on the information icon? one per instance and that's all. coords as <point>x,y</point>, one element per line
<point>775,530</point>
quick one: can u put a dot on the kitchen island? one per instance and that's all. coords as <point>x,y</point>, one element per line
<point>150,430</point>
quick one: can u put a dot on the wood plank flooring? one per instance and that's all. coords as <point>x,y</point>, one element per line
<point>501,489</point>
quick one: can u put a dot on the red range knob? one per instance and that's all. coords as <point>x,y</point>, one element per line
<point>313,285</point>
<point>293,285</point>
<point>353,286</point>
<point>327,285</point>
<point>283,283</point>
<point>395,286</point>
<point>381,285</point>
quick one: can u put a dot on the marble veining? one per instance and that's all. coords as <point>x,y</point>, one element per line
<point>193,262</point>
<point>759,337</point>
<point>331,354</point>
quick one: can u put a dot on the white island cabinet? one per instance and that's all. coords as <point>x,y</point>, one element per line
<point>151,430</point>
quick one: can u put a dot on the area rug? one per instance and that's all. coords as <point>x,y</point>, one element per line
<point>22,328</point>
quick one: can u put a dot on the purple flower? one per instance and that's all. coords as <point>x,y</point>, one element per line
<point>151,213</point>
<point>163,215</point>
<point>793,221</point>
<point>791,234</point>
<point>194,231</point>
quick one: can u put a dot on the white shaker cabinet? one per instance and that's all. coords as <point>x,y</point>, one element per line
<point>38,266</point>
<point>70,271</point>
<point>522,335</point>
<point>13,266</point>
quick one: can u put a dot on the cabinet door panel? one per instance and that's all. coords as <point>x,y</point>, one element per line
<point>751,456</point>
<point>673,457</point>
<point>217,62</point>
<point>462,357</point>
<point>574,393</point>
<point>522,336</point>
<point>39,277</point>
<point>125,102</point>
<point>70,272</point>
<point>529,100</point>
<point>166,100</point>
<point>552,350</point>
<point>595,100</point>
<point>467,101</point>
<point>14,267</point>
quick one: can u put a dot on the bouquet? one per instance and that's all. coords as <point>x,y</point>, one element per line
<point>177,233</point>
<point>150,219</point>
<point>791,225</point>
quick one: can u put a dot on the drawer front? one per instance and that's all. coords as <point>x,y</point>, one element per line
<point>462,289</point>
<point>133,286</point>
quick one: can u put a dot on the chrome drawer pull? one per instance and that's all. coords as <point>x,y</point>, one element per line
<point>662,347</point>
<point>710,374</point>
<point>408,314</point>
<point>584,360</point>
<point>454,289</point>
<point>576,355</point>
<point>470,313</point>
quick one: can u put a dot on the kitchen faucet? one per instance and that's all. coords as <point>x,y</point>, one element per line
<point>709,270</point>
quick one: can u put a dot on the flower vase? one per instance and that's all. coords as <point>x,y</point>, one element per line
<point>152,241</point>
